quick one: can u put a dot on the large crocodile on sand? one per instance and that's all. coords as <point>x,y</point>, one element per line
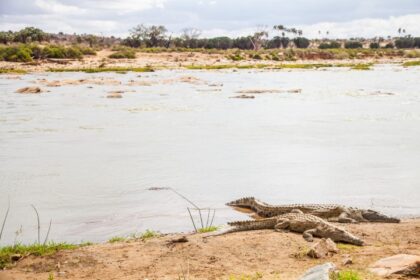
<point>311,226</point>
<point>330,212</point>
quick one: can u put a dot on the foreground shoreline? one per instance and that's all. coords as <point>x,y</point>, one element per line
<point>263,254</point>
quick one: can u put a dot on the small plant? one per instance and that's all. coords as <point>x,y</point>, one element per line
<point>353,45</point>
<point>411,63</point>
<point>130,54</point>
<point>256,276</point>
<point>116,239</point>
<point>346,275</point>
<point>361,66</point>
<point>149,234</point>
<point>7,252</point>
<point>207,229</point>
<point>51,276</point>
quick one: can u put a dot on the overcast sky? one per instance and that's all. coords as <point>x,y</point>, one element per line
<point>342,18</point>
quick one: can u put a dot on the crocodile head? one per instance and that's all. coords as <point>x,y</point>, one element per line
<point>340,235</point>
<point>373,216</point>
<point>242,202</point>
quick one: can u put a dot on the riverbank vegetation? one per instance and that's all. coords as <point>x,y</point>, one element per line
<point>32,43</point>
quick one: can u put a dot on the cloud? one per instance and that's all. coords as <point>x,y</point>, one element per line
<point>344,18</point>
<point>52,6</point>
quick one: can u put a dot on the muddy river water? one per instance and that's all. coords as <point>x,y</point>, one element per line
<point>87,161</point>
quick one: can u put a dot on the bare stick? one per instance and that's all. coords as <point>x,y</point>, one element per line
<point>186,199</point>
<point>201,218</point>
<point>208,217</point>
<point>39,224</point>
<point>192,220</point>
<point>48,233</point>
<point>212,219</point>
<point>5,219</point>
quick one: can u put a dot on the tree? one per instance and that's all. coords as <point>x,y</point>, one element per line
<point>258,37</point>
<point>30,34</point>
<point>301,42</point>
<point>190,36</point>
<point>152,36</point>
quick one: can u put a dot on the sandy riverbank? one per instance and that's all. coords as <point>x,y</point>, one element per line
<point>257,255</point>
<point>174,60</point>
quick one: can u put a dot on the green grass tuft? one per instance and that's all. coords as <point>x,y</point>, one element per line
<point>116,239</point>
<point>35,249</point>
<point>208,229</point>
<point>103,69</point>
<point>149,234</point>
<point>12,71</point>
<point>346,275</point>
<point>411,63</point>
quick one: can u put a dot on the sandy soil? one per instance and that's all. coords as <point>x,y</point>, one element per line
<point>169,60</point>
<point>256,255</point>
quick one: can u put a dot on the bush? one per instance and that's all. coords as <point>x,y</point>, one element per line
<point>374,45</point>
<point>404,43</point>
<point>61,52</point>
<point>330,45</point>
<point>123,54</point>
<point>353,45</point>
<point>301,42</point>
<point>389,46</point>
<point>16,54</point>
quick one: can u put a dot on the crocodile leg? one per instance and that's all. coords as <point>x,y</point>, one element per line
<point>282,225</point>
<point>344,218</point>
<point>308,235</point>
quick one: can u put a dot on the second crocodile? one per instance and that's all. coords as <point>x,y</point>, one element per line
<point>330,212</point>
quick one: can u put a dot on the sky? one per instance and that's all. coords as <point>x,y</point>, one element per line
<point>342,18</point>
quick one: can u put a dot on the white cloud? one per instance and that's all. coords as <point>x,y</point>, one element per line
<point>52,6</point>
<point>368,27</point>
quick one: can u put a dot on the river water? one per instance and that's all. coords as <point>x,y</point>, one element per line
<point>87,161</point>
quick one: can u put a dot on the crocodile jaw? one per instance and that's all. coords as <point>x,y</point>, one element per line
<point>373,216</point>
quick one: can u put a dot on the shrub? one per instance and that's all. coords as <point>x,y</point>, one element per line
<point>374,45</point>
<point>330,45</point>
<point>353,45</point>
<point>301,42</point>
<point>123,54</point>
<point>405,43</point>
<point>16,54</point>
<point>53,51</point>
<point>390,45</point>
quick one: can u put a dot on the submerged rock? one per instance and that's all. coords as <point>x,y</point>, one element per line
<point>244,96</point>
<point>398,264</point>
<point>28,90</point>
<point>319,272</point>
<point>114,95</point>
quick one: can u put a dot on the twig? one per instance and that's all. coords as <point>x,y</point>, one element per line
<point>5,219</point>
<point>208,217</point>
<point>201,218</point>
<point>192,219</point>
<point>186,199</point>
<point>48,233</point>
<point>212,219</point>
<point>39,224</point>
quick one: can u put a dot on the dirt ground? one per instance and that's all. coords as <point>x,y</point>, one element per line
<point>246,255</point>
<point>171,60</point>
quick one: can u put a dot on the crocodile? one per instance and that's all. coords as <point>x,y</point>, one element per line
<point>330,212</point>
<point>296,221</point>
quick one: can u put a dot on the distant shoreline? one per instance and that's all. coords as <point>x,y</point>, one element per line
<point>196,60</point>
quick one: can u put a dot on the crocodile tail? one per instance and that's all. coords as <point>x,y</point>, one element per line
<point>253,224</point>
<point>242,202</point>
